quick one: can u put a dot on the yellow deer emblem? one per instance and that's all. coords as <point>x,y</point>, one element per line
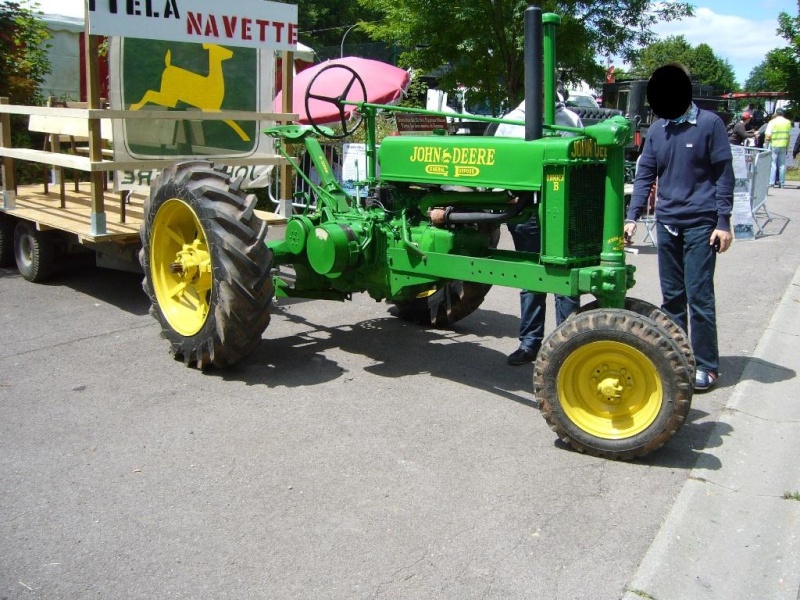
<point>205,92</point>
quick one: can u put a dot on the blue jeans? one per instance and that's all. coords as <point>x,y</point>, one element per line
<point>778,167</point>
<point>533,305</point>
<point>686,264</point>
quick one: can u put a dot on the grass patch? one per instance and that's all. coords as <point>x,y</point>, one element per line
<point>791,496</point>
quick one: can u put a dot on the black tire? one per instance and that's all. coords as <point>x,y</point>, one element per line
<point>222,325</point>
<point>653,312</point>
<point>34,252</point>
<point>6,240</point>
<point>612,383</point>
<point>450,302</point>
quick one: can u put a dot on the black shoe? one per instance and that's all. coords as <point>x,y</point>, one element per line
<point>521,356</point>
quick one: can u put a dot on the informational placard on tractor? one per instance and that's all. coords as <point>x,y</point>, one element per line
<point>414,124</point>
<point>258,24</point>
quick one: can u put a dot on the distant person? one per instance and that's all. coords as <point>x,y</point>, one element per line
<point>740,131</point>
<point>688,151</point>
<point>777,137</point>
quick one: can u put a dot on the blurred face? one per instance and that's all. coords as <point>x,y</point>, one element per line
<point>669,91</point>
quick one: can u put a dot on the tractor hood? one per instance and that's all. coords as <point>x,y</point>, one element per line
<point>485,162</point>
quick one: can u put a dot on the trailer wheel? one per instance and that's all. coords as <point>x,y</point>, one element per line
<point>6,240</point>
<point>612,383</point>
<point>651,311</point>
<point>206,266</point>
<point>34,252</point>
<point>450,301</point>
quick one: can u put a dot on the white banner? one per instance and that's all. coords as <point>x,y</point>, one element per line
<point>245,23</point>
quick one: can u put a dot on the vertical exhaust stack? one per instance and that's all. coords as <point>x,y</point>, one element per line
<point>534,110</point>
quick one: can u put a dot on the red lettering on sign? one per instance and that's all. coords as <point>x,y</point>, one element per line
<point>230,25</point>
<point>246,24</point>
<point>193,23</point>
<point>211,27</point>
<point>278,28</point>
<point>262,29</point>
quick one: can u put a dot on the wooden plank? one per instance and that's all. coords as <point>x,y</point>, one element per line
<point>104,113</point>
<point>44,210</point>
<point>49,158</point>
<point>8,176</point>
<point>83,163</point>
<point>78,128</point>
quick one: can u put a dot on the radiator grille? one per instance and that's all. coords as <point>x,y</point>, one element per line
<point>586,209</point>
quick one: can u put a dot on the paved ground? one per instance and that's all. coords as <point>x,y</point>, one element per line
<point>352,456</point>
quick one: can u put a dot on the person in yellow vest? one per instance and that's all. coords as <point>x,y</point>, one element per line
<point>777,137</point>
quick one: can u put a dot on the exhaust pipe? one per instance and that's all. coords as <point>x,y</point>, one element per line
<point>534,97</point>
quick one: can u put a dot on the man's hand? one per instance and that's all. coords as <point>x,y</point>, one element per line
<point>630,229</point>
<point>725,238</point>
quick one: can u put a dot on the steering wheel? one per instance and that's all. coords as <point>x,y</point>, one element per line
<point>337,101</point>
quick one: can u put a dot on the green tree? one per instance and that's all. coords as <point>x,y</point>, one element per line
<point>327,23</point>
<point>786,61</point>
<point>479,44</point>
<point>23,53</point>
<point>705,67</point>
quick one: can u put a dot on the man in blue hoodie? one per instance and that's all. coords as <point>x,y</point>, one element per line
<point>688,156</point>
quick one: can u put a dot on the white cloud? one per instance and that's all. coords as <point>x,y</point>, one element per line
<point>742,42</point>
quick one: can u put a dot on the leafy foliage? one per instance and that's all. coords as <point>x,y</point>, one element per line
<point>705,67</point>
<point>23,53</point>
<point>330,22</point>
<point>479,44</point>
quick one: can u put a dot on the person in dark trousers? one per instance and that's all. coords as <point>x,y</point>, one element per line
<point>527,238</point>
<point>740,131</point>
<point>688,152</point>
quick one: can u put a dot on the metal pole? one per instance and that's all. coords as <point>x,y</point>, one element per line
<point>341,49</point>
<point>533,73</point>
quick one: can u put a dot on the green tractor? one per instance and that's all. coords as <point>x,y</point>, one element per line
<point>614,380</point>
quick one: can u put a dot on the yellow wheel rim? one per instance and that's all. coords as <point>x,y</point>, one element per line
<point>180,267</point>
<point>610,390</point>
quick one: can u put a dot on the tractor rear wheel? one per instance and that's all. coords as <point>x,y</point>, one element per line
<point>449,301</point>
<point>444,305</point>
<point>206,266</point>
<point>612,383</point>
<point>34,252</point>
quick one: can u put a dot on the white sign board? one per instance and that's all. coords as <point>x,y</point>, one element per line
<point>244,23</point>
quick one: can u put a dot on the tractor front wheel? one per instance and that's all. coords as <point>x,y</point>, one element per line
<point>612,383</point>
<point>207,268</point>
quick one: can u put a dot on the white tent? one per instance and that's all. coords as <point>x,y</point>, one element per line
<point>65,56</point>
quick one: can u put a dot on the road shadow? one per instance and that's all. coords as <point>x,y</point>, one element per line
<point>775,225</point>
<point>734,369</point>
<point>121,289</point>
<point>395,348</point>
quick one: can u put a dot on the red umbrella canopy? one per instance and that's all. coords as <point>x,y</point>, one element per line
<point>384,83</point>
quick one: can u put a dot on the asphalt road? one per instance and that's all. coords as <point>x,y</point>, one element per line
<point>352,456</point>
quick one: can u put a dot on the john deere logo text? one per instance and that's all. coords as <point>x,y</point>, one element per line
<point>587,148</point>
<point>465,161</point>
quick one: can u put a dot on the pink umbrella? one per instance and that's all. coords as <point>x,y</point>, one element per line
<point>384,83</point>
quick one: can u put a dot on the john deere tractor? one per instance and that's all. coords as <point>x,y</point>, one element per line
<point>614,380</point>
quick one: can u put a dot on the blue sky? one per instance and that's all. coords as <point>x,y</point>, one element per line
<point>740,31</point>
